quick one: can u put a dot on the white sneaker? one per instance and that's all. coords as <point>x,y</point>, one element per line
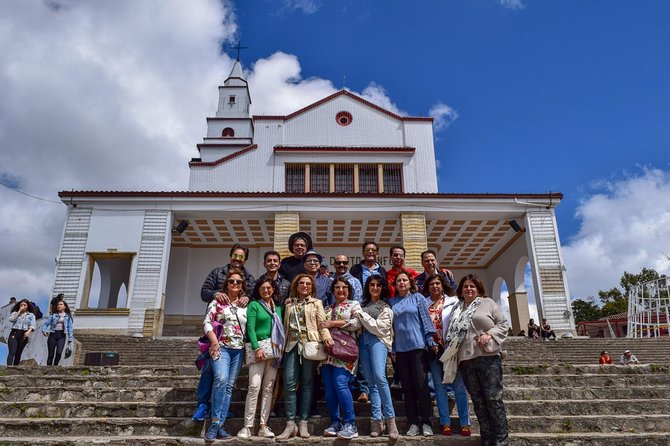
<point>413,431</point>
<point>427,430</point>
<point>265,432</point>
<point>244,433</point>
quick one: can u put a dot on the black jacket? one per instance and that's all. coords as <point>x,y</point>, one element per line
<point>357,272</point>
<point>214,282</point>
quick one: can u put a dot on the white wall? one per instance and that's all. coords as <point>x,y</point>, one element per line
<point>120,230</point>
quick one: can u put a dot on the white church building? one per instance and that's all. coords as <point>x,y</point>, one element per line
<point>342,169</point>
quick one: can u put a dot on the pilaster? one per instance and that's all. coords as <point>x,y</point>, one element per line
<point>414,238</point>
<point>518,309</point>
<point>286,224</point>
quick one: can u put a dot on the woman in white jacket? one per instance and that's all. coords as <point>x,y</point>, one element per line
<point>374,346</point>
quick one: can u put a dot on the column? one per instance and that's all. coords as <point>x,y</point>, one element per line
<point>414,238</point>
<point>518,310</point>
<point>286,224</point>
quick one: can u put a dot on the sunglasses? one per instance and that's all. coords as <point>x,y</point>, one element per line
<point>341,262</point>
<point>234,282</point>
<point>237,257</point>
<point>375,285</point>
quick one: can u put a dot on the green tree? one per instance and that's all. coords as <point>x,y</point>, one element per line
<point>585,310</point>
<point>615,300</point>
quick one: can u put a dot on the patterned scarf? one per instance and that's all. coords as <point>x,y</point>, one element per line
<point>278,336</point>
<point>458,328</point>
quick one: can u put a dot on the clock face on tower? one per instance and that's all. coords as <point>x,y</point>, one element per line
<point>343,118</point>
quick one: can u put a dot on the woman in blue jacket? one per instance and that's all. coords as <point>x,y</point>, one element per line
<point>58,326</point>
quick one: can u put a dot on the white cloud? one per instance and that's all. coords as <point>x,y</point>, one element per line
<point>625,227</point>
<point>113,96</point>
<point>97,96</point>
<point>376,94</point>
<point>306,6</point>
<point>512,4</point>
<point>444,115</point>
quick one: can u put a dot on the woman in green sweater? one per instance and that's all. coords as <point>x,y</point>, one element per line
<point>265,330</point>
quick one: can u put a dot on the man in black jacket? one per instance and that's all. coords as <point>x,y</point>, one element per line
<point>368,266</point>
<point>298,243</point>
<point>214,280</point>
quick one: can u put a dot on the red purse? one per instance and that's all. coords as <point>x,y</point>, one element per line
<point>345,347</point>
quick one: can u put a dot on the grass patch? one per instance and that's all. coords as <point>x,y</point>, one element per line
<point>85,372</point>
<point>525,370</point>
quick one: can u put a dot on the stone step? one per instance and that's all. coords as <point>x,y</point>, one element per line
<point>136,440</point>
<point>169,426</point>
<point>106,409</point>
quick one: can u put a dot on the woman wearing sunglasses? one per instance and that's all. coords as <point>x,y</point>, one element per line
<point>226,351</point>
<point>302,317</point>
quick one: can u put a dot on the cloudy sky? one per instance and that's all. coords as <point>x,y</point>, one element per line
<point>529,96</point>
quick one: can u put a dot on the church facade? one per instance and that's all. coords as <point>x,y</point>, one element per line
<point>342,169</point>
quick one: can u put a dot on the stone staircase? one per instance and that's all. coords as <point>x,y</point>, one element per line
<point>554,393</point>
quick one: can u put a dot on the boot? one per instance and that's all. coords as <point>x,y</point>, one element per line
<point>392,429</point>
<point>376,429</point>
<point>291,430</point>
<point>302,427</point>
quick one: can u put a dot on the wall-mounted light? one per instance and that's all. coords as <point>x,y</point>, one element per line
<point>516,226</point>
<point>181,227</point>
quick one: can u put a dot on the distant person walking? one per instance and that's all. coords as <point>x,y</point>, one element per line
<point>23,324</point>
<point>58,327</point>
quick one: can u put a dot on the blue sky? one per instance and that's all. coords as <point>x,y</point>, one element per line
<point>551,96</point>
<point>530,96</point>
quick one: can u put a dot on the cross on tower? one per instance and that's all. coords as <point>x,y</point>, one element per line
<point>238,48</point>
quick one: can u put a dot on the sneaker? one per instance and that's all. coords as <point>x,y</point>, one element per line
<point>446,430</point>
<point>201,412</point>
<point>210,435</point>
<point>333,429</point>
<point>244,433</point>
<point>221,434</point>
<point>348,432</point>
<point>465,431</point>
<point>427,430</point>
<point>265,432</point>
<point>413,431</point>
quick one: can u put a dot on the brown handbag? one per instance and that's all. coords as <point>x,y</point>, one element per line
<point>345,347</point>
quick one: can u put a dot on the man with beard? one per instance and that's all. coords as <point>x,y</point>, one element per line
<point>211,288</point>
<point>342,270</point>
<point>429,262</point>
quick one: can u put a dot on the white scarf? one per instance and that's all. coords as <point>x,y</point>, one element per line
<point>458,328</point>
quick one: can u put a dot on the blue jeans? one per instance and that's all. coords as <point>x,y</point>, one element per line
<point>225,371</point>
<point>372,361</point>
<point>338,395</point>
<point>206,382</point>
<point>442,395</point>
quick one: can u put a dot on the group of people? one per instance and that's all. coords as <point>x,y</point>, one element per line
<point>628,358</point>
<point>296,325</point>
<point>543,330</point>
<point>57,327</point>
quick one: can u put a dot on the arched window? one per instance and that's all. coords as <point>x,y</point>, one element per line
<point>228,132</point>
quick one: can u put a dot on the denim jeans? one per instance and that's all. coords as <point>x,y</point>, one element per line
<point>483,379</point>
<point>442,395</point>
<point>55,345</point>
<point>338,394</point>
<point>225,371</point>
<point>298,371</point>
<point>206,382</point>
<point>372,361</point>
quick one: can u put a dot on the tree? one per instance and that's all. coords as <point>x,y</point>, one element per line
<point>614,300</point>
<point>585,310</point>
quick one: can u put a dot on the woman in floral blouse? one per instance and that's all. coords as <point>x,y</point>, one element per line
<point>442,303</point>
<point>227,351</point>
<point>337,374</point>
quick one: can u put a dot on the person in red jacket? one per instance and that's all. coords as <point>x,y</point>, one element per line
<point>397,254</point>
<point>605,357</point>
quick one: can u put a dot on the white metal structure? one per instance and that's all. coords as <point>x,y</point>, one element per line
<point>649,309</point>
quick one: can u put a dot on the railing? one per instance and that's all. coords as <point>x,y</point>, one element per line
<point>649,309</point>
